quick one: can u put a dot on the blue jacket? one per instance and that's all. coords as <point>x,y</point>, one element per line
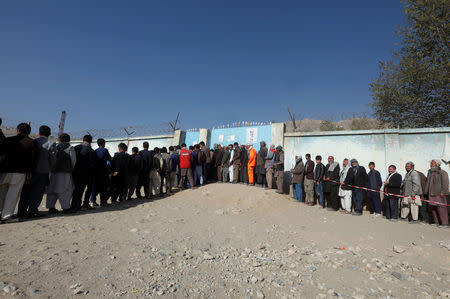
<point>374,180</point>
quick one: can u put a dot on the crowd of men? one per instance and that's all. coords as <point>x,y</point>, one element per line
<point>77,175</point>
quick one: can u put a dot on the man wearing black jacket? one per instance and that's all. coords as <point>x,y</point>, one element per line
<point>357,176</point>
<point>331,189</point>
<point>19,153</point>
<point>144,176</point>
<point>83,174</point>
<point>134,168</point>
<point>392,185</point>
<point>119,168</point>
<point>243,174</point>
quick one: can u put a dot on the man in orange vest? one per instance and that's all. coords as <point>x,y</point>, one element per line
<point>251,164</point>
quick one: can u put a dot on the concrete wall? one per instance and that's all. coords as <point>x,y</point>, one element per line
<point>384,147</point>
<point>239,134</point>
<point>191,138</point>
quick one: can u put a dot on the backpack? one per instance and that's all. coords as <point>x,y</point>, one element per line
<point>156,163</point>
<point>63,161</point>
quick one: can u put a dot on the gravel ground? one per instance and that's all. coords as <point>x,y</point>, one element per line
<point>221,241</point>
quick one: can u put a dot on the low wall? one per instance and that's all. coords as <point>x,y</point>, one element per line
<point>384,147</point>
<point>241,135</point>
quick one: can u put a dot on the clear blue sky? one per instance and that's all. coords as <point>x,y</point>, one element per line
<point>115,63</point>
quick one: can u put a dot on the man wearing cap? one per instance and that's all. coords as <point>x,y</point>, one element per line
<point>413,190</point>
<point>279,168</point>
<point>357,177</point>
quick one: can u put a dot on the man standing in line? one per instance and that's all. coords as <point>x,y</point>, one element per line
<point>392,185</point>
<point>345,192</point>
<point>437,189</point>
<point>199,160</point>
<point>279,168</point>
<point>119,168</point>
<point>243,171</point>
<point>155,173</point>
<point>19,158</point>
<point>102,170</point>
<point>357,176</point>
<point>269,160</point>
<point>225,164</point>
<point>236,162</point>
<point>309,180</point>
<point>134,169</point>
<point>218,162</point>
<point>412,188</point>
<point>185,167</point>
<point>207,163</point>
<point>297,178</point>
<point>83,174</point>
<point>374,182</point>
<point>230,169</point>
<point>144,176</point>
<point>31,200</point>
<point>251,164</point>
<point>319,171</point>
<point>331,189</point>
<point>61,183</point>
<point>260,170</point>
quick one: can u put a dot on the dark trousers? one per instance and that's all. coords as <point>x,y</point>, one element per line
<point>391,207</point>
<point>101,186</point>
<point>24,200</point>
<point>39,182</point>
<point>243,175</point>
<point>423,212</point>
<point>132,183</point>
<point>143,181</point>
<point>332,198</point>
<point>80,188</point>
<point>374,198</point>
<point>358,197</point>
<point>205,172</point>
<point>118,188</point>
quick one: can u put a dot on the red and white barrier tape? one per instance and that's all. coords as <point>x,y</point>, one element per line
<point>392,194</point>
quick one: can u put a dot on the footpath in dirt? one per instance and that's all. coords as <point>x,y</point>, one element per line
<point>222,241</point>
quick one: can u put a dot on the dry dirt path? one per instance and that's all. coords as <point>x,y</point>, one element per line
<point>220,241</point>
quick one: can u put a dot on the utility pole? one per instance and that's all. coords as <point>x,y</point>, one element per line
<point>61,123</point>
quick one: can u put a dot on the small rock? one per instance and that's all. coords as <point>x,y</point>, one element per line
<point>259,295</point>
<point>207,256</point>
<point>133,230</point>
<point>399,249</point>
<point>219,212</point>
<point>397,275</point>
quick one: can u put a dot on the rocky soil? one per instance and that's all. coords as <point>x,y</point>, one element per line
<point>222,241</point>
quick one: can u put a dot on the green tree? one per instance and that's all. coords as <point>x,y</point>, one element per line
<point>412,89</point>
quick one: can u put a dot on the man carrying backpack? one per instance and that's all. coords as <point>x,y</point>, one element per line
<point>166,171</point>
<point>155,170</point>
<point>61,184</point>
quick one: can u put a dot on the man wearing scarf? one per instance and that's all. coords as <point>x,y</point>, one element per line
<point>345,192</point>
<point>260,161</point>
<point>331,189</point>
<point>297,178</point>
<point>392,185</point>
<point>357,177</point>
<point>279,168</point>
<point>411,188</point>
<point>437,189</point>
<point>269,160</point>
<point>309,180</point>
